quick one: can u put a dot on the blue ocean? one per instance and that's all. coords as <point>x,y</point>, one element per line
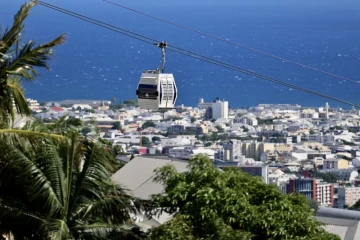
<point>95,63</point>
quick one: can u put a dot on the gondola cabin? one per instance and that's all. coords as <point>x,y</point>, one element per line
<point>156,90</point>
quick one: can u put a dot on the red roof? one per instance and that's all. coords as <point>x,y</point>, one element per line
<point>57,109</point>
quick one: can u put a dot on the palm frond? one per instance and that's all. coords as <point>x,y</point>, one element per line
<point>114,205</point>
<point>35,126</point>
<point>56,229</point>
<point>100,230</point>
<point>30,134</point>
<point>17,93</point>
<point>6,104</point>
<point>52,166</point>
<point>29,57</point>
<point>28,178</point>
<point>11,35</point>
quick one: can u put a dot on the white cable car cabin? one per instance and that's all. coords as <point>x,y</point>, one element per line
<point>157,90</point>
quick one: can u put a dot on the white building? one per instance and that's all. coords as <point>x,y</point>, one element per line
<point>280,106</point>
<point>81,106</point>
<point>220,109</point>
<point>348,196</point>
<point>324,194</point>
<point>189,152</point>
<point>309,113</point>
<point>325,139</point>
<point>248,119</point>
<point>34,105</point>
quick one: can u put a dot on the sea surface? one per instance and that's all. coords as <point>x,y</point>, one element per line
<point>95,63</point>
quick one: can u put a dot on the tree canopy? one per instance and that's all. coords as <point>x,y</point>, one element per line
<point>155,139</point>
<point>116,125</point>
<point>145,141</point>
<point>147,124</point>
<point>328,177</point>
<point>211,204</point>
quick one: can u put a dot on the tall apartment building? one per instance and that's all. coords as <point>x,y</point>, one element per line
<point>323,193</point>
<point>254,149</point>
<point>348,196</point>
<point>220,109</point>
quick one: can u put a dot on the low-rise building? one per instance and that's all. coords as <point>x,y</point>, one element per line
<point>321,138</point>
<point>188,152</point>
<point>348,196</point>
<point>335,163</point>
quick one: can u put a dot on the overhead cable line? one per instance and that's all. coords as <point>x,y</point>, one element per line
<point>101,24</point>
<point>234,43</point>
<point>189,53</point>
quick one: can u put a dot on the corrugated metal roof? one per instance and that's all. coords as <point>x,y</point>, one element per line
<point>138,175</point>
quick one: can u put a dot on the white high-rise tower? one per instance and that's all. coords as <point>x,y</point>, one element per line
<point>327,110</point>
<point>220,109</point>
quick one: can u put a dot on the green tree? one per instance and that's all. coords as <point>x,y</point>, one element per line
<point>220,129</point>
<point>328,177</point>
<point>86,130</point>
<point>116,125</point>
<point>311,131</point>
<point>131,102</point>
<point>193,120</point>
<point>155,139</point>
<point>63,189</point>
<point>17,63</point>
<point>116,106</point>
<point>113,100</point>
<point>148,124</point>
<point>118,150</point>
<point>356,206</point>
<point>145,141</point>
<point>245,129</point>
<point>210,204</point>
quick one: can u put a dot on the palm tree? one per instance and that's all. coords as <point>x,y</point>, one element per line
<point>60,188</point>
<point>17,63</point>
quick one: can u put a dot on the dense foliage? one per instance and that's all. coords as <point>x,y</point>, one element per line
<point>328,177</point>
<point>212,204</point>
<point>63,189</point>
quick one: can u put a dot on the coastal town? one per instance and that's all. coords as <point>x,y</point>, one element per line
<point>198,149</point>
<point>311,150</point>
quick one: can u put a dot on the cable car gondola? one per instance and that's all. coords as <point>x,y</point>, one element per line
<point>157,90</point>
